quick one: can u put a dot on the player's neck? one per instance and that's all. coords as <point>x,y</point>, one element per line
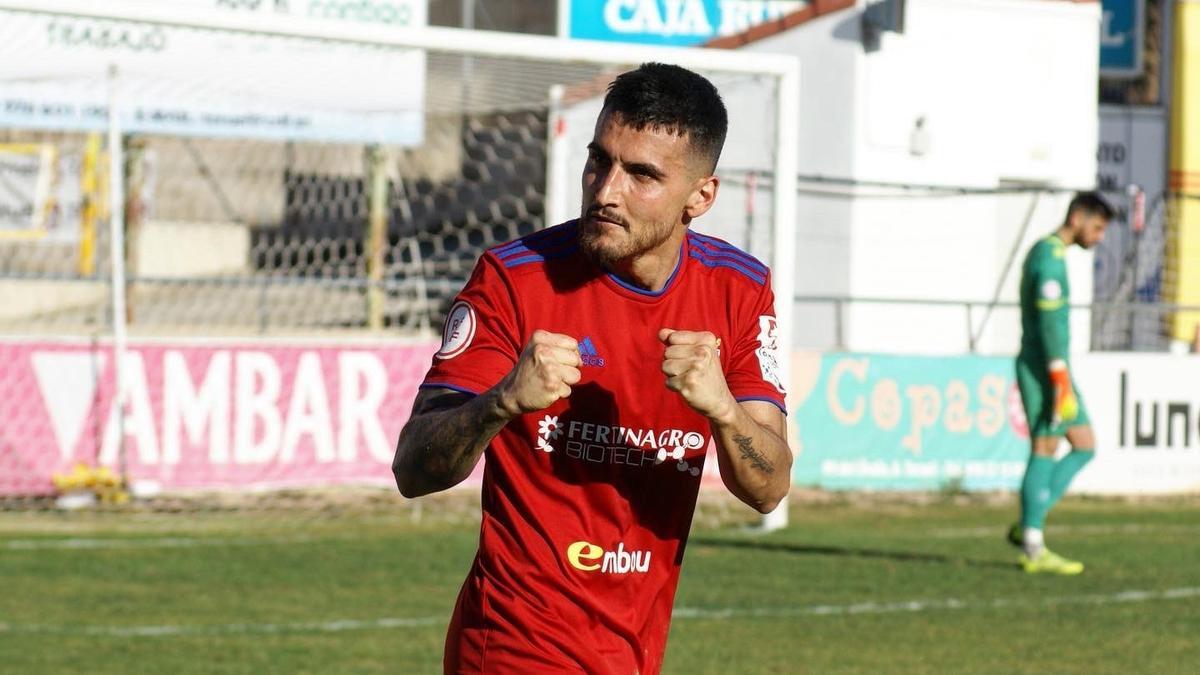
<point>651,270</point>
<point>1065,235</point>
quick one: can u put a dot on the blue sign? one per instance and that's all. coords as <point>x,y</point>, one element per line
<point>1121,38</point>
<point>680,23</point>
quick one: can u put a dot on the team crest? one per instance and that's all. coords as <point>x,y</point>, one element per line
<point>458,331</point>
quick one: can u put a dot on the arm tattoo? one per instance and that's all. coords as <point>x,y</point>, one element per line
<point>448,440</point>
<point>756,458</point>
<point>442,440</point>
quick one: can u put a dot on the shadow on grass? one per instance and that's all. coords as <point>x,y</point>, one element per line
<point>850,551</point>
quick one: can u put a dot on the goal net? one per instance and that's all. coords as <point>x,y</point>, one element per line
<point>282,184</point>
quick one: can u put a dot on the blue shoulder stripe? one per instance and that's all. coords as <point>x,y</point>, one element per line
<point>704,258</point>
<point>538,240</point>
<point>549,248</point>
<point>731,253</point>
<point>730,258</point>
<point>519,260</point>
<point>714,245</point>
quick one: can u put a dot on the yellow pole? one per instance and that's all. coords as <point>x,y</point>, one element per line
<point>90,189</point>
<point>1183,247</point>
<point>376,239</point>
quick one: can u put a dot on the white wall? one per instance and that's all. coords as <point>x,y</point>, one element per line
<point>1007,92</point>
<point>1007,89</point>
<point>828,48</point>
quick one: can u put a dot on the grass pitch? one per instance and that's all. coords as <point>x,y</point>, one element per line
<point>854,585</point>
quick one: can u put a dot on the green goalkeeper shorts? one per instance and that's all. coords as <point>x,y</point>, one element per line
<point>1037,395</point>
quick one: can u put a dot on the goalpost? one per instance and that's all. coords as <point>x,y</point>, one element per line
<point>318,93</point>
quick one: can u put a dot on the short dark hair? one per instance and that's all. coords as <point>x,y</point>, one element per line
<point>1091,203</point>
<point>674,99</point>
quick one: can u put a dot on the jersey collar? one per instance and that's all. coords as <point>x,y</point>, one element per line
<point>632,292</point>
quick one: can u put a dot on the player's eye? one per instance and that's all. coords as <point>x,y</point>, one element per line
<point>643,174</point>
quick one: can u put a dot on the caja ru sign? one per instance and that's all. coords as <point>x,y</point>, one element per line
<point>667,22</point>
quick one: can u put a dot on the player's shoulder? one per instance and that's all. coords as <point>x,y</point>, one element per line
<point>724,260</point>
<point>533,251</point>
<point>1049,248</point>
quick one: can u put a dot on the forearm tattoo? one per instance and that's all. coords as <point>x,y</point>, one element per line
<point>748,453</point>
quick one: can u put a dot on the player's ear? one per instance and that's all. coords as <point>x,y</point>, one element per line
<point>703,195</point>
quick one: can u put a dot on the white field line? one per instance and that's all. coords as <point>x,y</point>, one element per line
<point>170,630</point>
<point>986,532</point>
<point>685,613</point>
<point>90,543</point>
<point>1119,597</point>
<point>75,543</point>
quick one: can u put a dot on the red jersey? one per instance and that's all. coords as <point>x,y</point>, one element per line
<point>587,504</point>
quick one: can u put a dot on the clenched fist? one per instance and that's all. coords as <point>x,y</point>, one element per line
<point>544,373</point>
<point>693,368</point>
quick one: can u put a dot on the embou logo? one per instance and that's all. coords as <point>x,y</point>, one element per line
<point>588,557</point>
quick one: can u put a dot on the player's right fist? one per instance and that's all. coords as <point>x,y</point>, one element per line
<point>1066,406</point>
<point>548,366</point>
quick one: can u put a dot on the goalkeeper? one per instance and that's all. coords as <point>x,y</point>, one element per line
<point>1052,402</point>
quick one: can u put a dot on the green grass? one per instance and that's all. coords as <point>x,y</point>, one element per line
<point>854,585</point>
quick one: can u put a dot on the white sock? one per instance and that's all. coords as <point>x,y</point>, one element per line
<point>1032,540</point>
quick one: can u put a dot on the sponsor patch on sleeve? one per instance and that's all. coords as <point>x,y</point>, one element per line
<point>768,352</point>
<point>1051,290</point>
<point>458,331</point>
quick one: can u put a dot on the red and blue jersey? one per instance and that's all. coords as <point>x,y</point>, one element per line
<point>587,504</point>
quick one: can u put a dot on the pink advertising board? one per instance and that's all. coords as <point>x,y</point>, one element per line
<point>212,414</point>
<point>209,414</point>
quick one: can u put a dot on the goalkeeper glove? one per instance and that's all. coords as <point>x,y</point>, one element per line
<point>1066,406</point>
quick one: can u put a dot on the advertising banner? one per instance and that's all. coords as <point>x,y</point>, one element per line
<point>207,415</point>
<point>229,414</point>
<point>54,72</point>
<point>677,23</point>
<point>1145,410</point>
<point>886,422</point>
<point>1121,37</point>
<point>882,422</point>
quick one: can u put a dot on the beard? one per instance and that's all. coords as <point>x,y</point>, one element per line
<point>609,246</point>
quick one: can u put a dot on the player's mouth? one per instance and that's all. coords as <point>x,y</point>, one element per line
<point>599,220</point>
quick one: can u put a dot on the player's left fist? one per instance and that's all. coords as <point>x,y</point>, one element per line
<point>692,364</point>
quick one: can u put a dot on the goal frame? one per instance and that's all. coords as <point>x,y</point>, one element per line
<point>784,68</point>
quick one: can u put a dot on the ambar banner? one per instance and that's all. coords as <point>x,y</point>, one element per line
<point>202,415</point>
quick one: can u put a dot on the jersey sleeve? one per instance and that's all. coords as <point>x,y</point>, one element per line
<point>1052,300</point>
<point>480,339</point>
<point>754,371</point>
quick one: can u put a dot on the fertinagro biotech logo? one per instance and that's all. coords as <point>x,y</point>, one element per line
<point>588,557</point>
<point>616,444</point>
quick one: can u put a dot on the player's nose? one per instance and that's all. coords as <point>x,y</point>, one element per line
<point>608,187</point>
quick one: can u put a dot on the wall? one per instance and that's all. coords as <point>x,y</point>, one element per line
<point>1006,91</point>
